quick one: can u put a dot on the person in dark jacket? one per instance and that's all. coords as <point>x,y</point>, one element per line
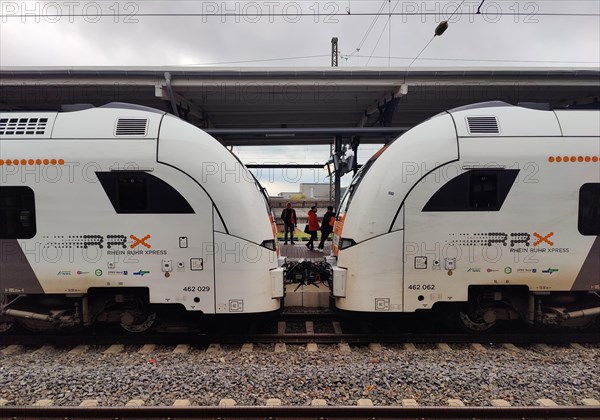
<point>313,227</point>
<point>326,227</point>
<point>288,215</point>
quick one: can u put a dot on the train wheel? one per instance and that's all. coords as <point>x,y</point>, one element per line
<point>35,325</point>
<point>137,323</point>
<point>6,326</point>
<point>6,323</point>
<point>474,324</point>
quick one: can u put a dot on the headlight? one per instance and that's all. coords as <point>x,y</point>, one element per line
<point>346,243</point>
<point>269,244</point>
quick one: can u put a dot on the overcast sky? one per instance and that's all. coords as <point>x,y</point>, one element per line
<point>298,33</point>
<point>109,32</point>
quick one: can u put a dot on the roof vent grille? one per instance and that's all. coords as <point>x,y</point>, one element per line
<point>23,126</point>
<point>131,127</point>
<point>483,125</point>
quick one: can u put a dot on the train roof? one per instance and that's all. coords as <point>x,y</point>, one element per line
<point>501,119</point>
<point>114,120</point>
<point>248,105</point>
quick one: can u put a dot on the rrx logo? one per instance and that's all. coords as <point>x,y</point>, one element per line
<point>518,238</point>
<point>115,241</point>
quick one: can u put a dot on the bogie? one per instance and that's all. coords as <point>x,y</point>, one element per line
<point>7,323</point>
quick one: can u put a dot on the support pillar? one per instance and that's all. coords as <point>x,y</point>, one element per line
<point>355,143</point>
<point>338,172</point>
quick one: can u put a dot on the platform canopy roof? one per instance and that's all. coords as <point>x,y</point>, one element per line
<point>244,106</point>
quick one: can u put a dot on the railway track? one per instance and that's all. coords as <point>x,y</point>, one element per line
<point>304,334</point>
<point>302,328</point>
<point>34,359</point>
<point>299,338</point>
<point>302,413</point>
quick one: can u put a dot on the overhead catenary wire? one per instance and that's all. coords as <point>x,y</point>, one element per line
<point>479,8</point>
<point>507,60</point>
<point>368,31</point>
<point>346,13</point>
<point>461,59</point>
<point>382,32</point>
<point>455,10</point>
<point>420,52</point>
<point>438,31</point>
<point>258,60</point>
<point>278,14</point>
<point>457,59</point>
<point>390,31</point>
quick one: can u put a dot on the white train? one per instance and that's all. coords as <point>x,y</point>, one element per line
<point>107,214</point>
<point>490,211</point>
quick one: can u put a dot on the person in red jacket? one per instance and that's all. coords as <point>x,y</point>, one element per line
<point>313,227</point>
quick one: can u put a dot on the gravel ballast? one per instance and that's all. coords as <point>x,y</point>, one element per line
<point>429,376</point>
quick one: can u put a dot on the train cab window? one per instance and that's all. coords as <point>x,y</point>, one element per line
<point>132,192</point>
<point>139,192</point>
<point>589,209</point>
<point>474,190</point>
<point>483,191</point>
<point>17,213</point>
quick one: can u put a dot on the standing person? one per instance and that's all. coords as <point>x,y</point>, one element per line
<point>313,227</point>
<point>288,215</point>
<point>326,227</point>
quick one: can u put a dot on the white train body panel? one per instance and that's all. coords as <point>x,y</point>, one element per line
<point>166,241</point>
<point>243,269</point>
<point>373,284</point>
<point>393,176</point>
<point>223,177</point>
<point>529,235</point>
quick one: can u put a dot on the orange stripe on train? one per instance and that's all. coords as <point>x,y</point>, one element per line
<point>31,162</point>
<point>573,159</point>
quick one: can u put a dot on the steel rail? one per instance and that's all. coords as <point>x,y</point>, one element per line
<point>350,331</point>
<point>331,338</point>
<point>300,338</point>
<point>302,412</point>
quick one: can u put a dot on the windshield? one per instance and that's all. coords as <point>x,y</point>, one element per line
<point>259,187</point>
<point>347,199</point>
<point>263,192</point>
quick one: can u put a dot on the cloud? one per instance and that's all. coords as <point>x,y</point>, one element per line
<point>507,30</point>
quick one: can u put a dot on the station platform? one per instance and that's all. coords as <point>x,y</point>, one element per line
<point>299,251</point>
<point>311,296</point>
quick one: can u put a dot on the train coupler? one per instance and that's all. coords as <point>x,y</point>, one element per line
<point>305,273</point>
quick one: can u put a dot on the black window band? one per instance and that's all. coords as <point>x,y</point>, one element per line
<point>588,222</point>
<point>17,213</point>
<point>138,192</point>
<point>474,190</point>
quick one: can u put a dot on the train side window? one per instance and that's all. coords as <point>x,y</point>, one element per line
<point>589,209</point>
<point>17,213</point>
<point>475,190</point>
<point>139,192</point>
